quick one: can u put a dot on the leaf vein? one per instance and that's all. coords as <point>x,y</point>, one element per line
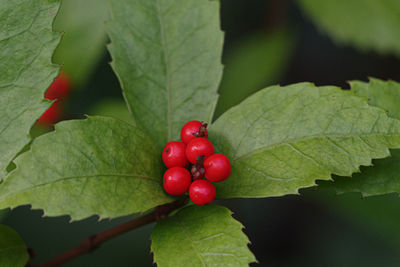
<point>191,241</point>
<point>63,179</point>
<point>304,138</point>
<point>166,60</point>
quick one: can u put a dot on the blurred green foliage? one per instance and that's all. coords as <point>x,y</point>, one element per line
<point>378,214</point>
<point>368,25</point>
<point>112,108</point>
<point>84,40</point>
<point>3,214</point>
<point>12,248</point>
<point>50,236</point>
<point>254,62</point>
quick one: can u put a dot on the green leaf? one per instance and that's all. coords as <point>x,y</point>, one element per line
<point>366,24</point>
<point>284,138</point>
<point>84,40</point>
<point>253,63</point>
<point>13,251</point>
<point>200,236</point>
<point>166,54</point>
<point>95,166</point>
<point>27,43</point>
<point>384,177</point>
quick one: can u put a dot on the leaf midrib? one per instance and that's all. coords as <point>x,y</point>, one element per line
<point>299,139</point>
<point>155,180</point>
<point>182,225</point>
<point>166,60</point>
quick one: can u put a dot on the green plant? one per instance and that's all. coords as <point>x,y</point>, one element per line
<point>166,55</point>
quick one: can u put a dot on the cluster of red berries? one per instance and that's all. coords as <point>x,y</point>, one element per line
<point>195,153</point>
<point>57,91</point>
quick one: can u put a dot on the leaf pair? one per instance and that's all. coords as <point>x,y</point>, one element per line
<point>280,139</point>
<point>106,167</point>
<point>168,58</point>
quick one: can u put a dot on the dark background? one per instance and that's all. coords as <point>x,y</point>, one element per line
<point>312,229</point>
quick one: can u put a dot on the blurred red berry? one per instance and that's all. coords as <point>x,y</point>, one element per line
<point>52,115</point>
<point>59,89</point>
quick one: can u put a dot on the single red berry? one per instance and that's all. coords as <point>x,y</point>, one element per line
<point>59,89</point>
<point>200,146</point>
<point>202,192</point>
<point>52,115</point>
<point>189,130</point>
<point>217,167</point>
<point>177,181</point>
<point>174,155</point>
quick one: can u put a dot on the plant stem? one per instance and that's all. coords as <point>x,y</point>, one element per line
<point>202,130</point>
<point>93,242</point>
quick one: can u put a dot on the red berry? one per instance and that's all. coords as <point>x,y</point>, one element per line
<point>200,146</point>
<point>217,167</point>
<point>202,192</point>
<point>59,89</point>
<point>189,129</point>
<point>177,181</point>
<point>174,155</point>
<point>52,115</point>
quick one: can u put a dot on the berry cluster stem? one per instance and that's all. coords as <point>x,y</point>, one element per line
<point>197,169</point>
<point>93,242</point>
<point>202,130</point>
